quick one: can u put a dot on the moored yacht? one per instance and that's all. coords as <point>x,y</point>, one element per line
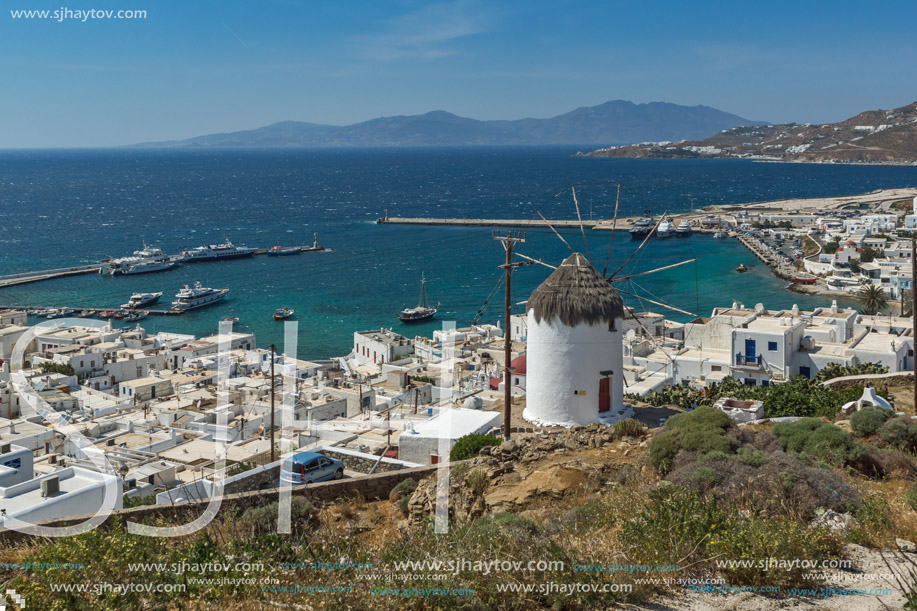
<point>144,261</point>
<point>641,228</point>
<point>139,300</point>
<point>197,297</point>
<point>684,229</point>
<point>665,229</point>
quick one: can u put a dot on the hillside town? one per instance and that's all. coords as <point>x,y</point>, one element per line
<point>167,417</point>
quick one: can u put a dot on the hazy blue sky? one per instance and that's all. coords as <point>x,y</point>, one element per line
<point>201,66</point>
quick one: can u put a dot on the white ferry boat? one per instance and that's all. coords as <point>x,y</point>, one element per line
<point>144,261</point>
<point>683,230</point>
<point>216,252</point>
<point>197,297</point>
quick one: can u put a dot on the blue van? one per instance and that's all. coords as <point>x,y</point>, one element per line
<point>310,467</point>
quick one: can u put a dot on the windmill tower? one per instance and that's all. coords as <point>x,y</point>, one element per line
<point>575,351</point>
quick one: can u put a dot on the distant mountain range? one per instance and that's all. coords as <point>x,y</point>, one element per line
<point>616,122</point>
<point>874,136</point>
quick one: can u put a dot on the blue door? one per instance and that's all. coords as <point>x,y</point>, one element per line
<point>750,350</point>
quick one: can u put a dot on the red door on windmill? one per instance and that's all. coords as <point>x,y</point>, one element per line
<point>604,394</point>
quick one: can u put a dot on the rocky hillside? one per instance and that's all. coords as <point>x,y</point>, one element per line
<point>874,136</point>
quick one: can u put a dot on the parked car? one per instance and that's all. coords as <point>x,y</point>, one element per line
<point>310,467</point>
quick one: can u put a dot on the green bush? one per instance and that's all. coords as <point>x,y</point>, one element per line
<point>797,397</point>
<point>821,440</point>
<point>404,489</point>
<point>900,433</point>
<point>682,524</point>
<point>629,427</point>
<point>51,367</point>
<point>836,370</point>
<point>869,420</point>
<point>139,501</point>
<point>469,446</point>
<point>701,430</point>
<point>713,456</point>
<point>751,457</point>
<point>781,539</point>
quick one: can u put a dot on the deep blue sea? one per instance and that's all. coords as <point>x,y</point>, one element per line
<point>60,208</point>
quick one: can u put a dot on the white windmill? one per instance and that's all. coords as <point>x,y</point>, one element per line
<point>575,364</point>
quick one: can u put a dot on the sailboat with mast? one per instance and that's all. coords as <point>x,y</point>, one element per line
<point>422,312</point>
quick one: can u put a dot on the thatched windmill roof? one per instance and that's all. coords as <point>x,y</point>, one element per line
<point>576,294</point>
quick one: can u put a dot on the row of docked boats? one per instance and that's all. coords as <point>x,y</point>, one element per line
<point>151,259</point>
<point>644,226</point>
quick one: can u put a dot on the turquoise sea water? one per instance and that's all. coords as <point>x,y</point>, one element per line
<point>66,207</point>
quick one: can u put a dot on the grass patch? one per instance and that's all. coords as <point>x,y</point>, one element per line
<point>629,427</point>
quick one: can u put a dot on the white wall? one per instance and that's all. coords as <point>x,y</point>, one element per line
<point>563,371</point>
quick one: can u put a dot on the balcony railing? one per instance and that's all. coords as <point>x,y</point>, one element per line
<point>744,359</point>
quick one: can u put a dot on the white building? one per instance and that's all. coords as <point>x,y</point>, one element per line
<point>420,443</point>
<point>378,347</point>
<point>910,221</point>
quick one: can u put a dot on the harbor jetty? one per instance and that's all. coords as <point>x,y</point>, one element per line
<point>93,268</point>
<point>623,224</point>
<point>48,274</point>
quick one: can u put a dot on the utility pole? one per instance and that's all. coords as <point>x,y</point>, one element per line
<point>509,242</point>
<point>273,353</point>
<point>914,310</point>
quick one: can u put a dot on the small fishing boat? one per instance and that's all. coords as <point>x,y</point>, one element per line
<point>422,312</point>
<point>719,235</point>
<point>284,251</point>
<point>804,279</point>
<point>119,314</point>
<point>134,316</point>
<point>107,313</point>
<point>741,268</point>
<point>61,313</point>
<point>232,317</point>
<point>283,313</point>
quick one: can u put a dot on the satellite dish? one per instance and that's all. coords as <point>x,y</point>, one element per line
<point>630,335</point>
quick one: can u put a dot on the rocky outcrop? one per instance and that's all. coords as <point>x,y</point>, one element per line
<point>529,469</point>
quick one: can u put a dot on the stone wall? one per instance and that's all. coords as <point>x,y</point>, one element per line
<point>372,487</point>
<point>894,378</point>
<point>363,464</point>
